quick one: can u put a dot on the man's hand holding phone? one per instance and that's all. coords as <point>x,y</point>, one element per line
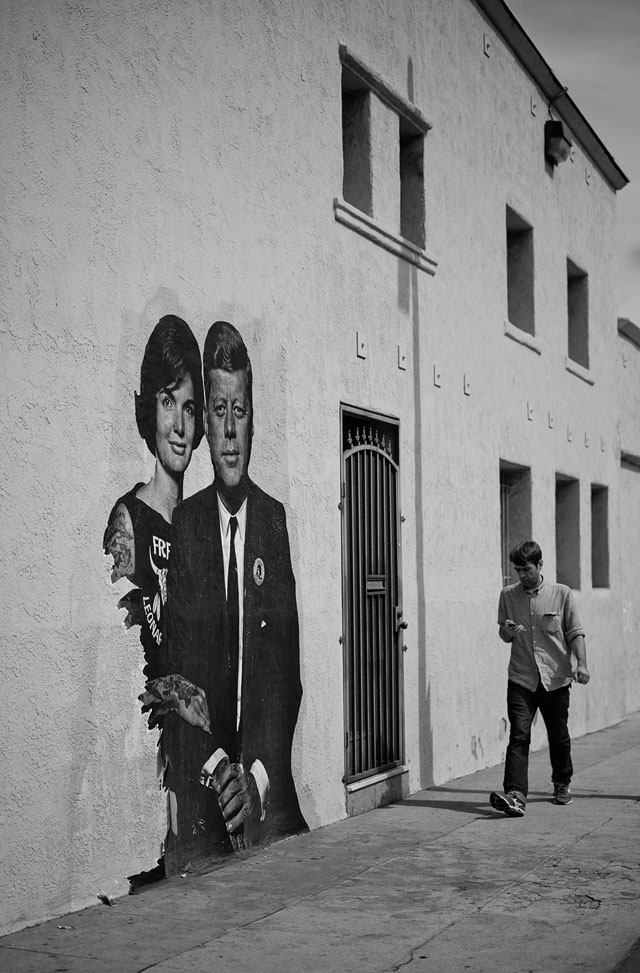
<point>512,628</point>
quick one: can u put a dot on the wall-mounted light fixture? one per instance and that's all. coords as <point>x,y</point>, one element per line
<point>557,145</point>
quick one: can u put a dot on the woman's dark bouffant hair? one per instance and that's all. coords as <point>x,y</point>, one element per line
<point>171,353</point>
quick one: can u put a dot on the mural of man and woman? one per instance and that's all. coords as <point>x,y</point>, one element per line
<point>215,600</point>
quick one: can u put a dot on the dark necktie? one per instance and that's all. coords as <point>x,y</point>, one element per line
<point>233,615</point>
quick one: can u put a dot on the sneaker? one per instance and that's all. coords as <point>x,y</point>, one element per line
<point>562,794</point>
<point>511,803</point>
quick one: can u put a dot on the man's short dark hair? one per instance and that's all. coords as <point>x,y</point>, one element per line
<point>526,552</point>
<point>225,349</point>
<point>171,353</point>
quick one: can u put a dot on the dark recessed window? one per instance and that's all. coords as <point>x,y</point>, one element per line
<point>515,512</point>
<point>412,202</point>
<point>520,309</point>
<point>567,531</point>
<point>382,152</point>
<point>599,536</point>
<point>578,314</point>
<point>357,184</point>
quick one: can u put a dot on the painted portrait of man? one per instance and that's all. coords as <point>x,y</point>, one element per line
<point>232,631</point>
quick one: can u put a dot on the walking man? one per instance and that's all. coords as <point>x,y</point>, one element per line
<point>541,622</point>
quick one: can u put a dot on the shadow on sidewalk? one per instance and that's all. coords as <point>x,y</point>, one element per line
<point>482,807</point>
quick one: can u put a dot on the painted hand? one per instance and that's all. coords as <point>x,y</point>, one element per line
<point>176,694</point>
<point>238,799</point>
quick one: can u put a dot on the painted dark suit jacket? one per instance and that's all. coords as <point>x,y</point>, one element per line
<point>271,689</point>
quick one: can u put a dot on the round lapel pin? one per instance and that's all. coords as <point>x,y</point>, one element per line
<point>258,571</point>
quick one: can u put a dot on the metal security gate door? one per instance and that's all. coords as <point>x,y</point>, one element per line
<point>372,613</point>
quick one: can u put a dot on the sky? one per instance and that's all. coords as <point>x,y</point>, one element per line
<point>593,47</point>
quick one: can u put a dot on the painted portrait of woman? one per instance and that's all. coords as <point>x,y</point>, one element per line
<point>170,419</point>
<point>169,416</point>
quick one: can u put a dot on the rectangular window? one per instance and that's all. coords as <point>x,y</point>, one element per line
<point>599,536</point>
<point>578,314</point>
<point>515,512</point>
<point>383,153</point>
<point>520,303</point>
<point>412,202</point>
<point>567,530</point>
<point>357,182</point>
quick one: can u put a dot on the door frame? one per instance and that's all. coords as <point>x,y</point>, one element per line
<point>396,766</point>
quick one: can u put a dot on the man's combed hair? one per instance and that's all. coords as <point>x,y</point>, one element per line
<point>225,349</point>
<point>526,552</point>
<point>171,353</point>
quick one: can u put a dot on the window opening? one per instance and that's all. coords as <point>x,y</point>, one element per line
<point>567,530</point>
<point>515,512</point>
<point>412,198</point>
<point>383,152</point>
<point>357,182</point>
<point>520,298</point>
<point>599,536</point>
<point>578,314</point>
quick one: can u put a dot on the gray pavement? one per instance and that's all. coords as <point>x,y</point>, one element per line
<point>439,883</point>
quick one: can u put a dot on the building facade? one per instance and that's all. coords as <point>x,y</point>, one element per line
<point>427,299</point>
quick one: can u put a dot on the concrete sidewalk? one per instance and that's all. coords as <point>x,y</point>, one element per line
<point>439,883</point>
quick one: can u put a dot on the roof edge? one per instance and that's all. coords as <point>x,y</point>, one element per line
<point>501,17</point>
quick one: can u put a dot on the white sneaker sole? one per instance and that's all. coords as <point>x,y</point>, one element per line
<point>500,803</point>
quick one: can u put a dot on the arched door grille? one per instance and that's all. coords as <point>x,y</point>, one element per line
<point>371,598</point>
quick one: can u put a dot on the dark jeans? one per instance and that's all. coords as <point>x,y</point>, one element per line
<point>521,708</point>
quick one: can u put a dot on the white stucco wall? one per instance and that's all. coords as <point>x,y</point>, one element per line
<point>183,158</point>
<point>627,379</point>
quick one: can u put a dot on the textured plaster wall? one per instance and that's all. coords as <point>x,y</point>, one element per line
<point>484,153</point>
<point>157,159</point>
<point>183,157</point>
<point>627,379</point>
<point>512,391</point>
